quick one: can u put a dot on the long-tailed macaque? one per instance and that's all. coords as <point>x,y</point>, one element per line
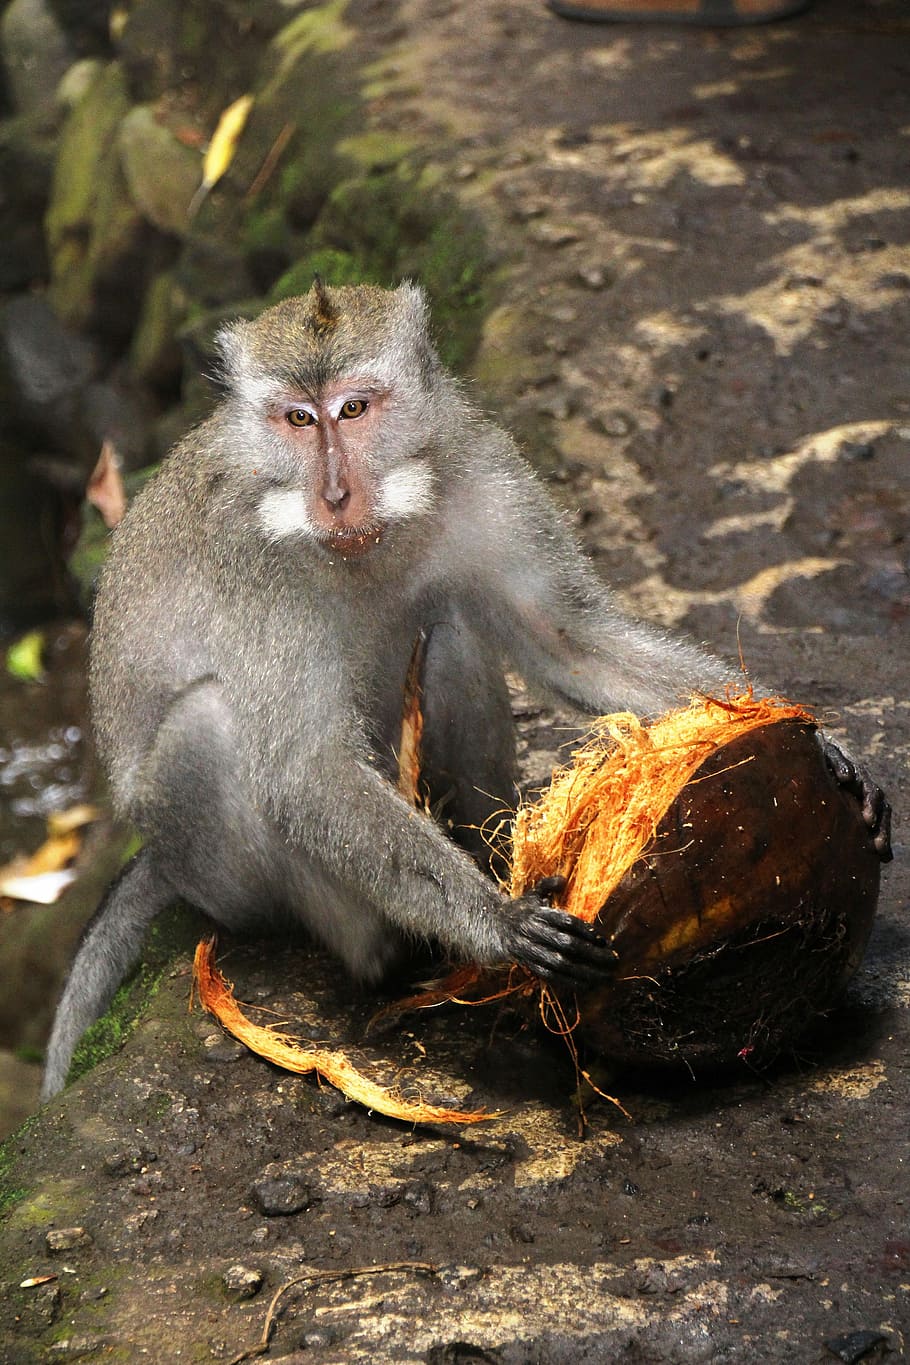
<point>252,633</point>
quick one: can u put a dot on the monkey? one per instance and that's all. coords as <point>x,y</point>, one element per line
<point>252,630</point>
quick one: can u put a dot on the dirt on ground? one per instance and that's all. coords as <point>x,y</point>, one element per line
<point>703,338</point>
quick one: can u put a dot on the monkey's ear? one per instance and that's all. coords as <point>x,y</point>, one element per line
<point>231,345</point>
<point>412,301</point>
<point>413,325</point>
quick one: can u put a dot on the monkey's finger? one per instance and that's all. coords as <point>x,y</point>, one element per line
<point>549,886</point>
<point>880,825</point>
<point>843,768</point>
<point>874,804</point>
<point>551,965</point>
<point>554,925</point>
<point>551,947</point>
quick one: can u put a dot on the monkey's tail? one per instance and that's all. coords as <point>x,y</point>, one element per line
<point>110,946</point>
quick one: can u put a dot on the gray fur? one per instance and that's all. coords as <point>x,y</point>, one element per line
<point>247,687</point>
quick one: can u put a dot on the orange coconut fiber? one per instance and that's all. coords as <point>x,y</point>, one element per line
<point>601,812</point>
<point>217,996</point>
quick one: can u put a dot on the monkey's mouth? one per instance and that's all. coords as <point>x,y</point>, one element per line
<point>353,542</point>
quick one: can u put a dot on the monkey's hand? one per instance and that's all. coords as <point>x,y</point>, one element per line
<point>875,807</point>
<point>553,944</point>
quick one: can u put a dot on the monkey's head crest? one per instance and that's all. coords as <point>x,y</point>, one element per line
<point>307,342</point>
<point>325,313</point>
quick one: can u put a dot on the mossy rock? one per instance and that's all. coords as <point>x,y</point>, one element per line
<point>27,148</point>
<point>101,247</point>
<point>85,157</point>
<point>217,47</point>
<point>174,933</point>
<point>155,354</point>
<point>161,173</point>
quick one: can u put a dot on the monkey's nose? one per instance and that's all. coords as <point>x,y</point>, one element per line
<point>336,496</point>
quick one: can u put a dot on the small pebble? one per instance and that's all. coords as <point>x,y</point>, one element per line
<point>593,277</point>
<point>221,1048</point>
<point>278,1193</point>
<point>67,1239</point>
<point>554,234</point>
<point>242,1282</point>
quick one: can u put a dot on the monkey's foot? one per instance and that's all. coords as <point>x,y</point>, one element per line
<point>875,806</point>
<point>718,13</point>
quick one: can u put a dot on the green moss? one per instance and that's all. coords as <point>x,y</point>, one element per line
<point>377,150</point>
<point>265,228</point>
<point>330,264</point>
<point>397,223</point>
<point>57,1201</point>
<point>174,932</point>
<point>315,33</point>
<point>86,153</point>
<point>155,356</point>
<point>12,1190</point>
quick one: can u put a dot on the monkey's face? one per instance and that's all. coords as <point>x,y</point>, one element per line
<point>349,488</point>
<point>333,403</point>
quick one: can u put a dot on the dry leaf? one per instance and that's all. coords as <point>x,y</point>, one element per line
<point>65,821</point>
<point>44,876</point>
<point>105,489</point>
<point>409,752</point>
<point>44,888</point>
<point>222,147</point>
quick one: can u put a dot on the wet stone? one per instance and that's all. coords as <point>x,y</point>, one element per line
<point>594,277</point>
<point>555,234</point>
<point>221,1048</point>
<point>73,1347</point>
<point>854,1346</point>
<point>41,1307</point>
<point>131,1161</point>
<point>615,423</point>
<point>418,1195</point>
<point>279,1192</point>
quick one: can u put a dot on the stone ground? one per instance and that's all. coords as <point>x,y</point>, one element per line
<point>706,275</point>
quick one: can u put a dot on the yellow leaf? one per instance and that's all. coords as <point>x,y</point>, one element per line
<point>23,659</point>
<point>222,147</point>
<point>44,888</point>
<point>44,876</point>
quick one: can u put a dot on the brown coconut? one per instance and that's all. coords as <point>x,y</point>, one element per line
<point>733,876</point>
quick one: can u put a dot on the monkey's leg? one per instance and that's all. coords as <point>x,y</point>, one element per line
<point>468,740</point>
<point>228,859</point>
<point>109,948</point>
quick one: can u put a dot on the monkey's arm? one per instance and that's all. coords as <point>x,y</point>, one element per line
<point>339,815</point>
<point>395,859</point>
<point>565,632</point>
<point>564,629</point>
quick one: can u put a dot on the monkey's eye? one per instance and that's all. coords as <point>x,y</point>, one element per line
<point>299,417</point>
<point>354,407</point>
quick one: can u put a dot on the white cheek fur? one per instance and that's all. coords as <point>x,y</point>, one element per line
<point>406,492</point>
<point>283,512</point>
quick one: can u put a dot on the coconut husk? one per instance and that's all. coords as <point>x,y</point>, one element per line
<point>281,1049</point>
<point>733,877</point>
<point>602,811</point>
